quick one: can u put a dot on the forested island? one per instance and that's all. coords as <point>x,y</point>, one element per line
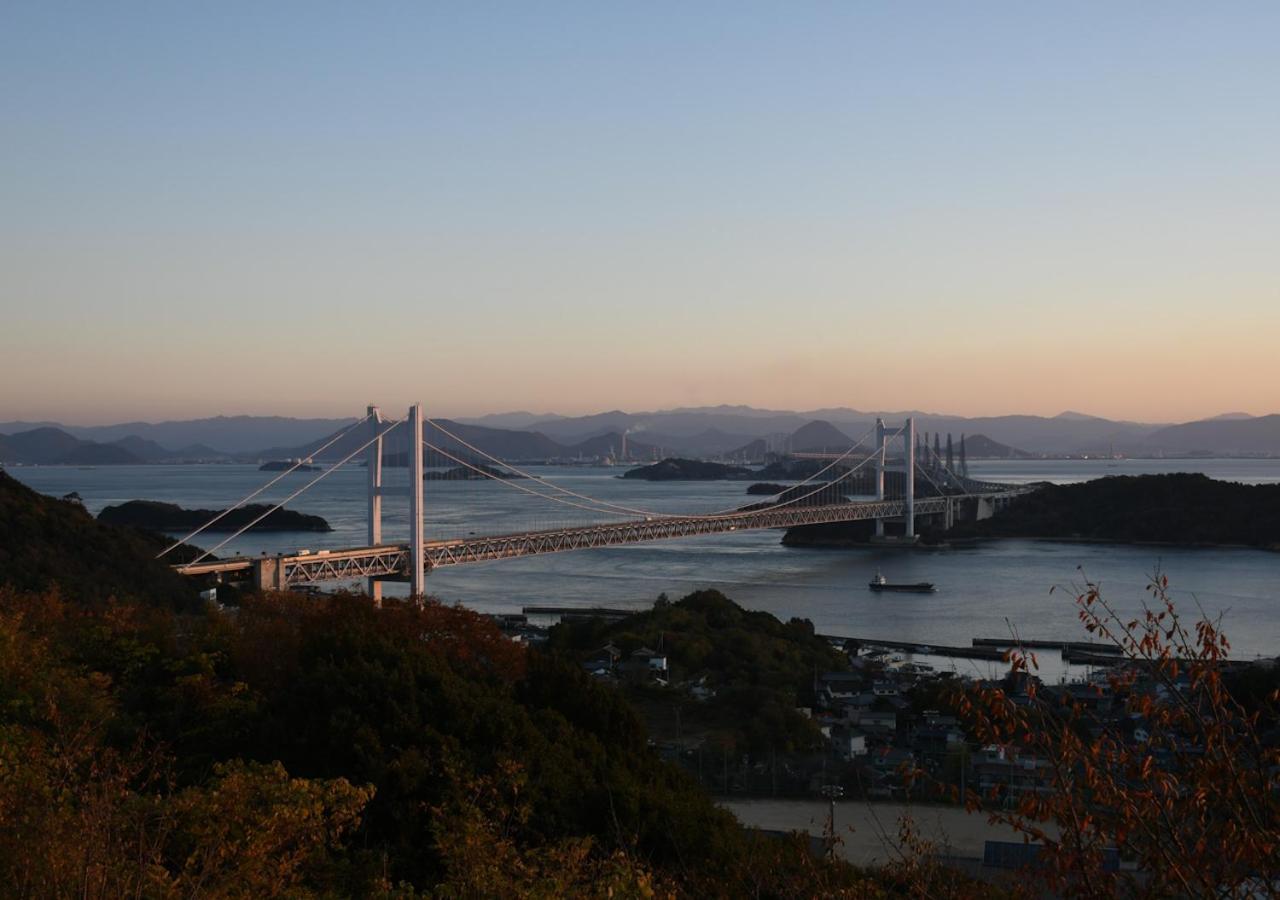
<point>283,465</point>
<point>469,473</point>
<point>1180,509</point>
<point>675,469</point>
<point>765,489</point>
<point>156,516</point>
<point>1166,509</point>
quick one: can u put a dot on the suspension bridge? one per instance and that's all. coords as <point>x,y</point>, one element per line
<point>907,481</point>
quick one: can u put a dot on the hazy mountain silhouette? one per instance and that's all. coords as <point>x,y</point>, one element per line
<point>1220,435</point>
<point>819,435</point>
<point>52,446</point>
<point>697,431</point>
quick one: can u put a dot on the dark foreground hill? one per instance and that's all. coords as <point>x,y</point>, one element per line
<point>44,541</point>
<point>323,747</point>
<point>1174,509</point>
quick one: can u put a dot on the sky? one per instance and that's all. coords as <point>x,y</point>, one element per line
<point>304,208</point>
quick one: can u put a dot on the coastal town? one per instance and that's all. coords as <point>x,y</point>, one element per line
<point>886,726</point>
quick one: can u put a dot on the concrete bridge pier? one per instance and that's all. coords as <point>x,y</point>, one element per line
<point>986,508</point>
<point>268,574</point>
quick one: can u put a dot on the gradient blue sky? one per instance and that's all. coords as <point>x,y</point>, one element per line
<point>967,208</point>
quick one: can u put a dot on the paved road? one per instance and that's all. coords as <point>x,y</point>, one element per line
<point>874,836</point>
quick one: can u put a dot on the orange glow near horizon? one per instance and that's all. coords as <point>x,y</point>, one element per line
<point>1036,210</point>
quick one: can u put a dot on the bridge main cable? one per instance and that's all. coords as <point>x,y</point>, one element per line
<point>604,505</point>
<point>325,474</point>
<point>230,509</point>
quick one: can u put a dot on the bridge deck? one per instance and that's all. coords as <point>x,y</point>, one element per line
<point>392,560</point>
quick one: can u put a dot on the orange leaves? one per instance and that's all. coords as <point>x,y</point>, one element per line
<point>1194,800</point>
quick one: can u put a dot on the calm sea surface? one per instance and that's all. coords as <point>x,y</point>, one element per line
<point>982,592</point>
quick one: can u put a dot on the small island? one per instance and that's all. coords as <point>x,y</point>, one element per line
<point>765,489</point>
<point>156,516</point>
<point>674,469</point>
<point>469,473</point>
<point>282,465</point>
<point>800,469</point>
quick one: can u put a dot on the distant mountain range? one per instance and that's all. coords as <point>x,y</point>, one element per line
<point>227,434</point>
<point>742,433</point>
<point>47,445</point>
<point>1230,435</point>
<point>683,430</point>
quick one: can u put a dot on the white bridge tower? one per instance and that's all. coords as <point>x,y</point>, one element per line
<point>417,555</point>
<point>908,467</point>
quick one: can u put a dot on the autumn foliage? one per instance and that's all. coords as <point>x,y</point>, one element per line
<point>314,747</point>
<point>1186,804</point>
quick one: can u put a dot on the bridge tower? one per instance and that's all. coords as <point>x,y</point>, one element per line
<point>417,553</point>
<point>907,433</point>
<point>880,449</point>
<point>373,585</point>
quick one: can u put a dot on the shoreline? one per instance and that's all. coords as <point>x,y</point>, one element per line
<point>973,542</point>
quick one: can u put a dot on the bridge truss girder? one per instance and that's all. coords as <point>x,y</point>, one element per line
<point>393,561</point>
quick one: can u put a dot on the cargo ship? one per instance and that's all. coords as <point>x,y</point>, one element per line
<point>880,583</point>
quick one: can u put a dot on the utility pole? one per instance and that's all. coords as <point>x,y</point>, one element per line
<point>832,792</point>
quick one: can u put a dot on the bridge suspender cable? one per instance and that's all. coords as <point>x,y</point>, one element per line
<point>600,507</point>
<point>528,490</point>
<point>605,505</point>
<point>733,512</point>
<point>825,486</point>
<point>346,459</point>
<point>230,509</point>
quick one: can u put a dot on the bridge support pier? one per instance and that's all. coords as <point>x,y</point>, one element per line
<point>268,574</point>
<point>372,585</point>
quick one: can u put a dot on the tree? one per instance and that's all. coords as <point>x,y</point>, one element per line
<point>1191,798</point>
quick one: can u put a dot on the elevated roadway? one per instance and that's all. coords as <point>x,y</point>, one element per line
<point>392,561</point>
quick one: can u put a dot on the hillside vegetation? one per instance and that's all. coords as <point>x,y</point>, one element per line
<point>44,542</point>
<point>307,746</point>
<point>758,668</point>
